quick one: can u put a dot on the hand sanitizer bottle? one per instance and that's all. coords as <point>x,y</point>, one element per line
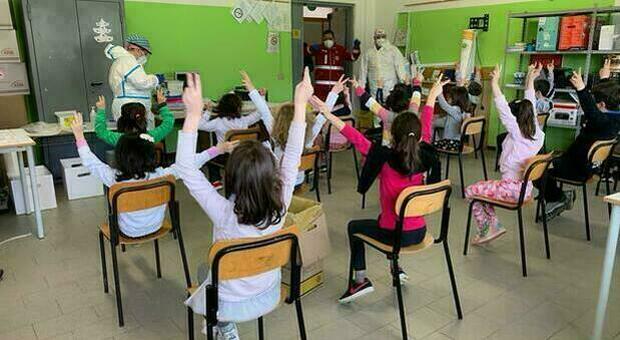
<point>93,116</point>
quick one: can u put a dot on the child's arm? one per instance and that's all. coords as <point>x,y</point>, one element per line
<point>426,116</point>
<point>370,102</point>
<point>505,115</point>
<point>550,77</point>
<point>101,126</point>
<point>453,111</point>
<point>533,72</point>
<point>359,141</point>
<point>199,187</point>
<point>289,167</point>
<point>106,174</point>
<point>202,158</point>
<point>206,123</point>
<point>416,96</point>
<point>259,101</point>
<point>167,119</point>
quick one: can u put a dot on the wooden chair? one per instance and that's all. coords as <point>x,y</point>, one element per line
<point>253,133</point>
<point>240,258</point>
<point>329,152</point>
<point>613,161</point>
<point>598,155</point>
<point>134,196</point>
<point>535,169</point>
<point>310,162</point>
<point>471,127</point>
<point>420,200</point>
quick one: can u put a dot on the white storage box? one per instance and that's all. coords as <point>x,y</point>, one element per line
<point>9,52</point>
<point>13,79</point>
<point>78,180</point>
<point>47,194</point>
<point>5,15</point>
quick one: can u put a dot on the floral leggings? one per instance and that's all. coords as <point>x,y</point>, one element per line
<point>502,190</point>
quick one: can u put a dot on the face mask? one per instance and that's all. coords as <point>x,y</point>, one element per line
<point>380,42</point>
<point>142,60</point>
<point>328,43</point>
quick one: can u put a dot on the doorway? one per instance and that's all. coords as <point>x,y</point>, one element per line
<point>309,20</point>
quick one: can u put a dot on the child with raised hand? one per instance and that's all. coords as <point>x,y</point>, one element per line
<point>133,119</point>
<point>135,161</point>
<point>457,107</point>
<point>398,101</point>
<point>258,192</point>
<point>544,88</point>
<point>410,161</point>
<point>524,140</point>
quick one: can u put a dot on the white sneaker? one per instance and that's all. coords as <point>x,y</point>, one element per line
<point>229,332</point>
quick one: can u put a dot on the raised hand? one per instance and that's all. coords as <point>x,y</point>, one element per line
<point>534,71</point>
<point>354,83</point>
<point>227,147</point>
<point>192,97</point>
<point>577,80</point>
<point>247,81</point>
<point>161,97</point>
<point>340,85</point>
<point>605,71</point>
<point>77,126</point>
<point>100,103</point>
<point>304,90</point>
<point>437,88</point>
<point>495,74</point>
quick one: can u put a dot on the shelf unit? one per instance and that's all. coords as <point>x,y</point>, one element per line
<point>588,53</point>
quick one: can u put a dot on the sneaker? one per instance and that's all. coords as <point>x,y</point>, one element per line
<point>569,199</point>
<point>217,185</point>
<point>554,209</point>
<point>357,290</point>
<point>493,234</point>
<point>402,276</point>
<point>229,332</point>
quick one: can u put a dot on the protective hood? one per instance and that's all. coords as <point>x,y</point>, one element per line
<point>114,52</point>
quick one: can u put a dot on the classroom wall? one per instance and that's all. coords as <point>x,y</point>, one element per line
<point>436,35</point>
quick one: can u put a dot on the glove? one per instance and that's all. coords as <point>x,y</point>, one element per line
<point>315,47</point>
<point>161,78</point>
<point>357,44</point>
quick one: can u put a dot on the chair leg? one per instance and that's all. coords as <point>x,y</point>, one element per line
<point>117,287</point>
<point>210,330</point>
<point>466,245</point>
<point>484,165</point>
<point>585,211</point>
<point>539,203</point>
<point>461,173</point>
<point>607,188</point>
<point>188,280</point>
<point>545,228</point>
<point>399,293</point>
<point>123,248</point>
<point>104,269</point>
<point>447,166</point>
<point>261,330</point>
<point>522,243</point>
<point>300,320</point>
<point>190,324</point>
<point>455,292</point>
<point>363,201</point>
<point>357,169</point>
<point>315,182</point>
<point>598,185</point>
<point>329,173</point>
<point>497,155</point>
<point>157,262</point>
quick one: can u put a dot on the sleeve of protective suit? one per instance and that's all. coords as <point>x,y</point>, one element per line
<point>400,63</point>
<point>363,77</point>
<point>140,80</point>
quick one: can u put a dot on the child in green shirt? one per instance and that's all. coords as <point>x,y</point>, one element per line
<point>133,119</point>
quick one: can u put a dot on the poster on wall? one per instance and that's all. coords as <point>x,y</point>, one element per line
<point>258,11</point>
<point>102,29</point>
<point>273,42</point>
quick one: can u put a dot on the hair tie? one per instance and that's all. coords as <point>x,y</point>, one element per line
<point>147,137</point>
<point>411,134</point>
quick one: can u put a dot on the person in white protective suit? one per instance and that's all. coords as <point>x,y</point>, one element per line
<point>383,64</point>
<point>127,78</point>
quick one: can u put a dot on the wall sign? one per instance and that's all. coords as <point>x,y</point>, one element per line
<point>102,29</point>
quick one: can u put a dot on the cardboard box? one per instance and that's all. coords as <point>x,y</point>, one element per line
<point>314,244</point>
<point>79,182</point>
<point>9,51</point>
<point>312,278</point>
<point>13,79</point>
<point>13,112</point>
<point>45,184</point>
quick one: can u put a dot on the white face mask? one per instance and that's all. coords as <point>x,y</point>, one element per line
<point>142,60</point>
<point>328,43</point>
<point>380,42</point>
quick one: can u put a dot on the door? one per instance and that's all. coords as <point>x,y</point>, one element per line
<point>100,24</point>
<point>55,57</point>
<point>297,44</point>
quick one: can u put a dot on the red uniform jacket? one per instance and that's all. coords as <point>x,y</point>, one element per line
<point>329,66</point>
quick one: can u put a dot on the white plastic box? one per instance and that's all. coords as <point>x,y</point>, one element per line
<point>5,15</point>
<point>9,52</point>
<point>47,194</point>
<point>78,180</point>
<point>13,79</point>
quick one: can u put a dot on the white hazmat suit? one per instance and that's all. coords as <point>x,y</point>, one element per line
<point>385,63</point>
<point>129,82</point>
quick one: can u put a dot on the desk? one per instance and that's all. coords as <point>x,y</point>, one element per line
<point>608,264</point>
<point>18,141</point>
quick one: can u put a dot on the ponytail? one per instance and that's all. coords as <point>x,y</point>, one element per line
<point>410,151</point>
<point>406,131</point>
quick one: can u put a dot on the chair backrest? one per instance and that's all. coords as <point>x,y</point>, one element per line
<point>473,126</point>
<point>243,134</point>
<point>542,120</point>
<point>133,196</point>
<point>308,159</point>
<point>535,168</point>
<point>600,151</point>
<point>348,121</point>
<point>422,200</point>
<point>159,153</point>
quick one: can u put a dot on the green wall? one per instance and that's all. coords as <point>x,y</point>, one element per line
<point>209,40</point>
<point>436,35</point>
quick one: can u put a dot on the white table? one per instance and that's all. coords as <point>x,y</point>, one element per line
<point>18,141</point>
<point>608,264</point>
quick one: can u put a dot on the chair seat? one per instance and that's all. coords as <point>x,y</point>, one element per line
<point>574,182</point>
<point>428,241</point>
<point>164,230</point>
<point>191,290</point>
<point>466,150</point>
<point>500,203</point>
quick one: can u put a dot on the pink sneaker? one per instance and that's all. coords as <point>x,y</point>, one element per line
<point>492,234</point>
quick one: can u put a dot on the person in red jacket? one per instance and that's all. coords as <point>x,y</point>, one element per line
<point>329,59</point>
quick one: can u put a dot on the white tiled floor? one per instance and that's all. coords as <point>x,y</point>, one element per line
<point>52,288</point>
